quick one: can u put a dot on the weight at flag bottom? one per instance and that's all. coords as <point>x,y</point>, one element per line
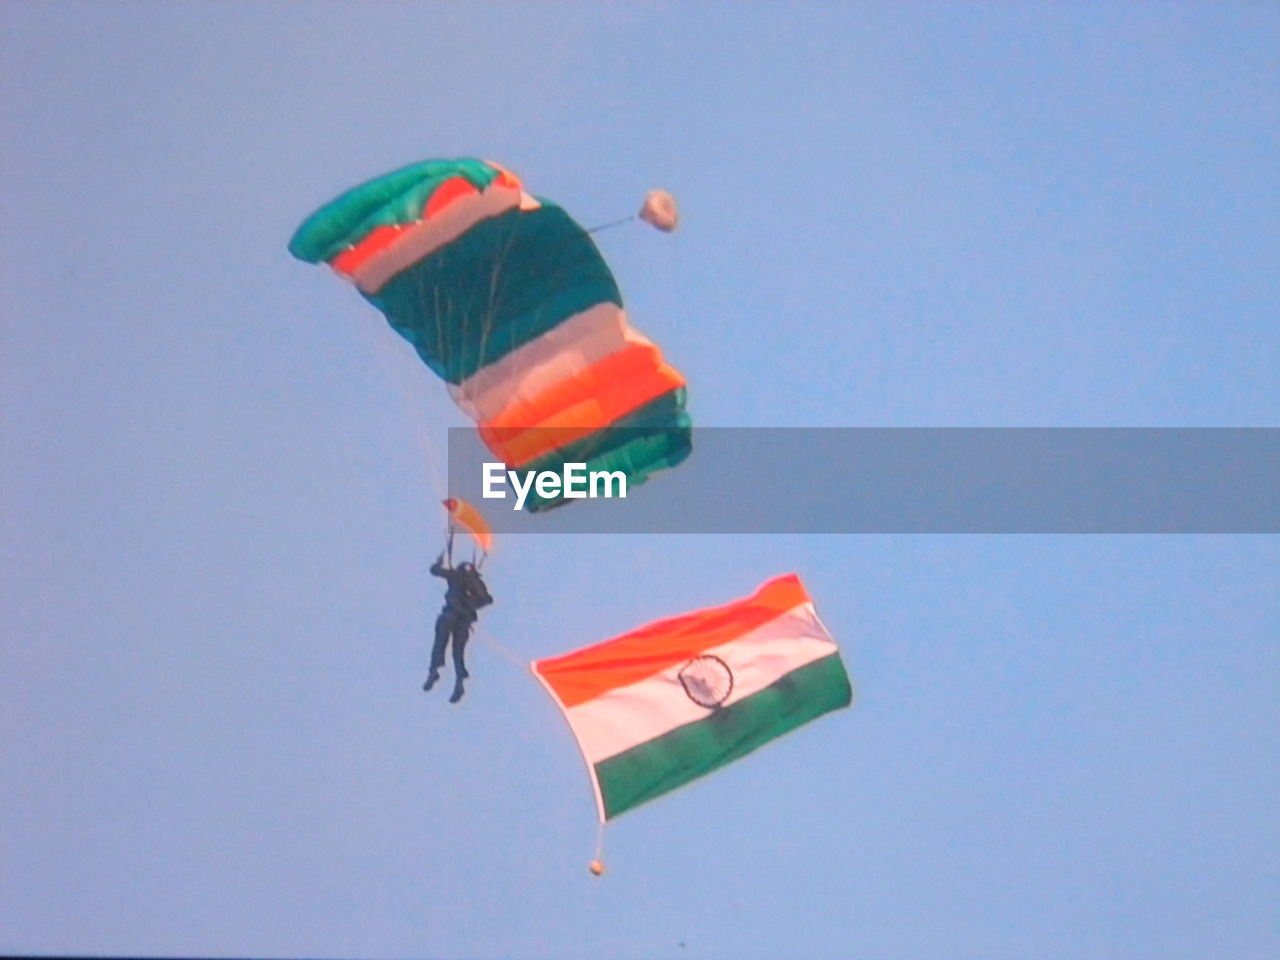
<point>675,700</point>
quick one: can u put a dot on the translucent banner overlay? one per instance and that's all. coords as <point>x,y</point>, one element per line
<point>914,480</point>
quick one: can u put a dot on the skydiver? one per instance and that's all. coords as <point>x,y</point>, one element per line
<point>464,596</point>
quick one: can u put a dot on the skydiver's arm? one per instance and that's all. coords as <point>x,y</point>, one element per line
<point>438,569</point>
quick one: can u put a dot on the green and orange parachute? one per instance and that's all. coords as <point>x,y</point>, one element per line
<point>509,301</point>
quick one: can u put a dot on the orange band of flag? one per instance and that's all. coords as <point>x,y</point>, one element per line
<point>586,674</point>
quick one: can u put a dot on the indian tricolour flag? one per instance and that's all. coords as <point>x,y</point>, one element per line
<point>677,699</point>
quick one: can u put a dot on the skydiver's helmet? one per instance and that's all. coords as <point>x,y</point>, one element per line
<point>468,568</point>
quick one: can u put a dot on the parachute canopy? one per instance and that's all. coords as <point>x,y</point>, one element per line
<point>659,209</point>
<point>509,301</point>
<point>679,698</point>
<point>468,518</point>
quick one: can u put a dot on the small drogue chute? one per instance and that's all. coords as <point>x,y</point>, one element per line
<point>660,209</point>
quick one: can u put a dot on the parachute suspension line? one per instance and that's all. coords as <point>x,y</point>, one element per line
<point>436,307</point>
<point>414,390</point>
<point>391,348</point>
<point>611,224</point>
<point>597,864</point>
<point>506,652</point>
<point>412,401</point>
<point>491,306</point>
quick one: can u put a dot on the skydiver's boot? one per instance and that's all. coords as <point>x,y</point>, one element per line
<point>457,692</point>
<point>432,677</point>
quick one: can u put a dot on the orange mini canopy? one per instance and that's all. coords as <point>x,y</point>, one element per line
<point>468,518</point>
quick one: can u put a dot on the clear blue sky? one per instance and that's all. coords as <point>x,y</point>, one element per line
<point>217,513</point>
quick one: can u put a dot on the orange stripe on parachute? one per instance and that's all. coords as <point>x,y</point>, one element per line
<point>375,241</point>
<point>455,188</point>
<point>586,674</point>
<point>381,237</point>
<point>592,398</point>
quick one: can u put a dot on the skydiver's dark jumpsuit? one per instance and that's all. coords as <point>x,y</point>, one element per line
<point>465,595</point>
